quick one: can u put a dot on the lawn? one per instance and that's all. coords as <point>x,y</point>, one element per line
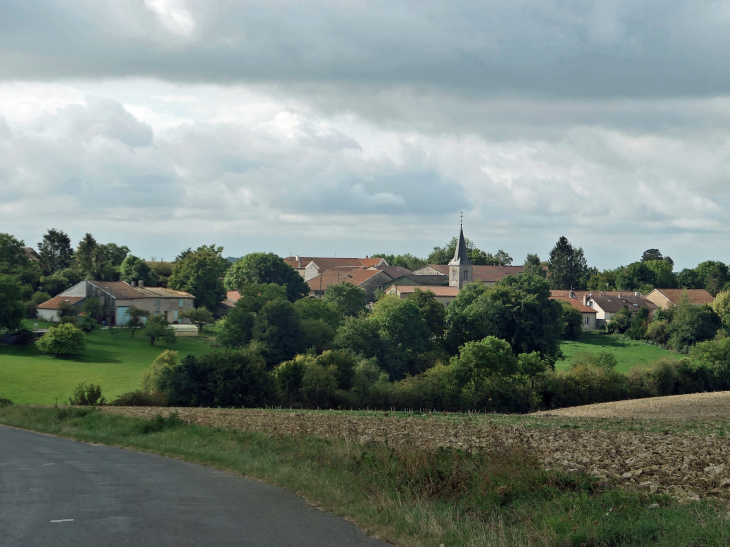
<point>113,359</point>
<point>629,353</point>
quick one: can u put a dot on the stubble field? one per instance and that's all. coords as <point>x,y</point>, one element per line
<point>674,445</point>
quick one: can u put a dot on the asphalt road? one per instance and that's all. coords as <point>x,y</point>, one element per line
<point>56,492</point>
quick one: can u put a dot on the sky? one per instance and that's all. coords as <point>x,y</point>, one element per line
<point>353,127</point>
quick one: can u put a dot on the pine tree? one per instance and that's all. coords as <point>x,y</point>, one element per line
<point>55,251</point>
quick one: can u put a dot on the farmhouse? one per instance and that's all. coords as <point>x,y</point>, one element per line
<point>609,304</point>
<point>666,298</point>
<point>309,267</point>
<point>369,280</point>
<point>116,298</point>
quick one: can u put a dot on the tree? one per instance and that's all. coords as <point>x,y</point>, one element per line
<point>12,255</point>
<point>318,308</point>
<point>480,362</point>
<point>634,276</point>
<point>200,273</point>
<point>256,268</point>
<point>402,326</point>
<point>92,307</point>
<point>318,384</point>
<point>62,341</point>
<point>161,272</point>
<point>689,279</point>
<point>84,256</point>
<point>651,255</point>
<point>533,266</point>
<point>432,311</point>
<point>137,318</point>
<point>162,365</point>
<point>664,277</point>
<point>114,253</point>
<point>361,336</point>
<point>567,266</point>
<point>572,322</point>
<point>60,281</point>
<point>317,334</point>
<point>348,298</point>
<point>691,324</point>
<point>12,310</point>
<point>134,269</point>
<point>443,255</point>
<point>197,316</point>
<point>712,275</point>
<point>407,261</point>
<point>279,328</point>
<point>157,328</point>
<point>55,251</point>
<point>721,305</point>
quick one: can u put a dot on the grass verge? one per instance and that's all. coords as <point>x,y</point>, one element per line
<point>408,495</point>
<point>628,353</point>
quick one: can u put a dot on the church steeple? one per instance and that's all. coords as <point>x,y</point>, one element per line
<point>461,267</point>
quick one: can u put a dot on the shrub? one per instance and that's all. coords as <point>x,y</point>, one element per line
<point>601,359</point>
<point>158,328</point>
<point>62,341</point>
<point>657,331</point>
<point>141,398</point>
<point>289,376</point>
<point>319,384</point>
<point>88,325</point>
<point>161,423</point>
<point>30,310</point>
<point>163,363</point>
<point>5,402</point>
<point>87,395</point>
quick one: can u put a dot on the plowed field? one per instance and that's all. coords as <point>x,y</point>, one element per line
<point>686,464</point>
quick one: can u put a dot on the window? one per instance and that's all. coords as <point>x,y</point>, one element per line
<point>174,315</point>
<point>181,303</point>
<point>157,303</point>
<point>157,312</point>
<point>466,274</point>
<point>586,321</point>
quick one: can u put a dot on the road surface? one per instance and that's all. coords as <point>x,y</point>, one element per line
<point>60,493</point>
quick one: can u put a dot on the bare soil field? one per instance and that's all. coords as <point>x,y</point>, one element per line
<point>697,406</point>
<point>685,464</point>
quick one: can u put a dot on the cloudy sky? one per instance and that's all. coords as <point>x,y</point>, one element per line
<point>354,127</point>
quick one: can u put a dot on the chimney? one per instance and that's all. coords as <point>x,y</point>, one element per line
<point>619,295</point>
<point>133,283</point>
<point>637,293</point>
<point>299,262</point>
<point>141,283</point>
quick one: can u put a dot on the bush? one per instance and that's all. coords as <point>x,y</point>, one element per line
<point>62,341</point>
<point>5,402</point>
<point>88,325</point>
<point>87,395</point>
<point>20,337</point>
<point>141,398</point>
<point>161,423</point>
<point>319,384</point>
<point>289,376</point>
<point>163,363</point>
<point>30,310</point>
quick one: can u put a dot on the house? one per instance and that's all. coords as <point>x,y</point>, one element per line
<point>445,295</point>
<point>367,279</point>
<point>310,267</point>
<point>417,280</point>
<point>609,304</point>
<point>489,275</point>
<point>116,298</point>
<point>589,314</point>
<point>31,254</point>
<point>666,298</point>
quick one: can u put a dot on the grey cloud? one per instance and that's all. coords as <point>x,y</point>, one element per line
<point>475,47</point>
<point>97,117</point>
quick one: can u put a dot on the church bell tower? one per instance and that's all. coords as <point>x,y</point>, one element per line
<point>461,268</point>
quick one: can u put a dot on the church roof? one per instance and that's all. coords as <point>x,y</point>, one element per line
<point>461,257</point>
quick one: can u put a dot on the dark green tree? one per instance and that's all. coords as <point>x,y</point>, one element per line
<point>279,328</point>
<point>84,257</point>
<point>348,298</point>
<point>443,255</point>
<point>567,268</point>
<point>92,307</point>
<point>114,253</point>
<point>12,310</point>
<point>55,251</point>
<point>134,269</point>
<point>652,254</point>
<point>256,268</point>
<point>481,362</point>
<point>712,275</point>
<point>432,311</point>
<point>692,324</point>
<point>200,273</point>
<point>634,276</point>
<point>407,261</point>
<point>237,329</point>
<point>320,309</point>
<point>572,322</point>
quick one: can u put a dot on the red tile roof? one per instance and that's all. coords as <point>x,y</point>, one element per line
<point>122,290</point>
<point>696,296</point>
<point>330,263</point>
<point>55,302</point>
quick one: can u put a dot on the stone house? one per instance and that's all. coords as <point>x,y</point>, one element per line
<point>116,298</point>
<point>609,304</point>
<point>310,267</point>
<point>666,298</point>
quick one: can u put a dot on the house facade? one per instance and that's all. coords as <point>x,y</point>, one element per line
<point>588,314</point>
<point>609,304</point>
<point>444,294</point>
<point>116,298</point>
<point>309,266</point>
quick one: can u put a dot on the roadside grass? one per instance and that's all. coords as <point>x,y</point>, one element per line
<point>113,359</point>
<point>628,353</point>
<point>409,495</point>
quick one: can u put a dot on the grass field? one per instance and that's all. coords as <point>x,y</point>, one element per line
<point>629,353</point>
<point>411,495</point>
<point>113,359</point>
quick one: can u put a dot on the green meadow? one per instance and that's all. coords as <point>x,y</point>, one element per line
<point>628,353</point>
<point>113,359</point>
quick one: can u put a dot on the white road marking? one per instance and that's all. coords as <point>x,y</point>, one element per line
<point>63,520</point>
<point>49,464</point>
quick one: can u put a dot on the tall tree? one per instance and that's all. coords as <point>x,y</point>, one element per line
<point>84,256</point>
<point>200,273</point>
<point>115,253</point>
<point>567,268</point>
<point>652,254</point>
<point>55,251</point>
<point>258,268</point>
<point>278,326</point>
<point>135,269</point>
<point>12,255</point>
<point>12,310</point>
<point>533,266</point>
<point>407,261</point>
<point>348,298</point>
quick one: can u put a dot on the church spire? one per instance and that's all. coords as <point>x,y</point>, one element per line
<point>461,257</point>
